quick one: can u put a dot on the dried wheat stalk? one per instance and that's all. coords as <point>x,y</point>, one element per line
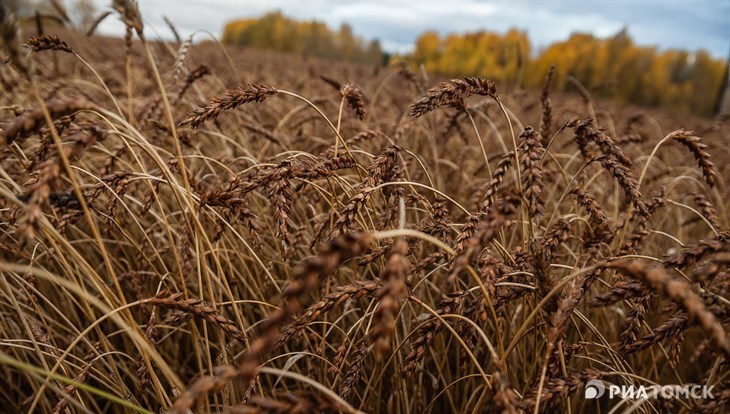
<point>231,100</point>
<point>452,91</point>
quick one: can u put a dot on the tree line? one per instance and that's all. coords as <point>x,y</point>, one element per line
<point>277,32</point>
<point>613,67</point>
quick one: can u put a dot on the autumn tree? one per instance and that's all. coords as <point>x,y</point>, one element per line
<point>277,32</point>
<point>482,53</point>
<point>613,67</point>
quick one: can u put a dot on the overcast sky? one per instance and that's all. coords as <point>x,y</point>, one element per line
<point>665,23</point>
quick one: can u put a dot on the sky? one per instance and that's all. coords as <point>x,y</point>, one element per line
<point>691,25</point>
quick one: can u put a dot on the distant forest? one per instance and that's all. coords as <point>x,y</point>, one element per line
<point>277,32</point>
<point>614,67</point>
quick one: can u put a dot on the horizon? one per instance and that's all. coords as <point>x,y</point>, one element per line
<point>397,30</point>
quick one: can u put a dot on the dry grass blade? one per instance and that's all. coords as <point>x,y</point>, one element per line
<point>92,28</point>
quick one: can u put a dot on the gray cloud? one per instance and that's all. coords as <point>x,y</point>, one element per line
<point>666,24</point>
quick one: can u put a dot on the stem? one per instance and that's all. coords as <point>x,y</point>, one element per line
<point>338,137</point>
<point>339,122</point>
<point>481,144</point>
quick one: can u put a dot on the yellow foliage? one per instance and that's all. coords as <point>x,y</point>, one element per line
<point>612,68</point>
<point>277,32</point>
<point>500,58</point>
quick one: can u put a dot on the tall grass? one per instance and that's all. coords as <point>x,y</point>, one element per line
<point>175,237</point>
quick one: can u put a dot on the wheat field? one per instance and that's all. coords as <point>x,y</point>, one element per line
<point>207,228</point>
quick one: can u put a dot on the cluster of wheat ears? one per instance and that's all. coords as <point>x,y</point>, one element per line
<point>380,247</point>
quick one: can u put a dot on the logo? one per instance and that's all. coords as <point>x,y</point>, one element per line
<point>594,389</point>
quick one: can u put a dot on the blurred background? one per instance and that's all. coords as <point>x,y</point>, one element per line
<point>667,54</point>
